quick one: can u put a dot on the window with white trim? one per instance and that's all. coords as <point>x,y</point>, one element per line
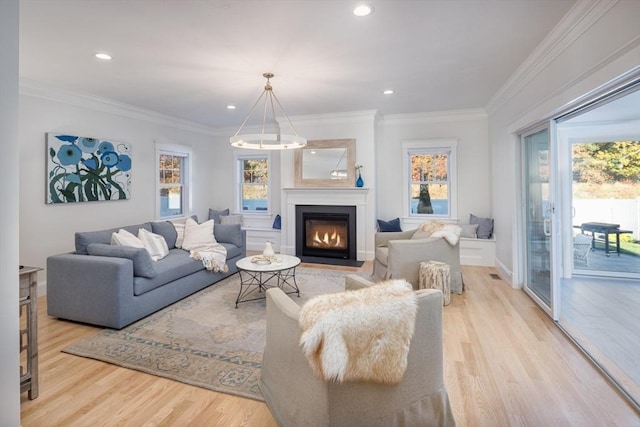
<point>253,184</point>
<point>173,181</point>
<point>430,178</point>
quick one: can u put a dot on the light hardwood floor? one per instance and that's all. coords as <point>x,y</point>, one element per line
<point>506,364</point>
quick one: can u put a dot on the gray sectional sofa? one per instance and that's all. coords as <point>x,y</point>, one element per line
<point>125,286</point>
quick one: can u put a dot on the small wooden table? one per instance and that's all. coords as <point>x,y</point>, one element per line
<point>29,331</point>
<point>256,275</point>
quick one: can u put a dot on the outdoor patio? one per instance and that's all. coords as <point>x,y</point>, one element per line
<point>599,261</point>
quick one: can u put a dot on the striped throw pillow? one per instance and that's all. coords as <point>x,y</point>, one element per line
<point>154,244</point>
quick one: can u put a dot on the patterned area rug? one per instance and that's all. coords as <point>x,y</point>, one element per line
<point>203,340</point>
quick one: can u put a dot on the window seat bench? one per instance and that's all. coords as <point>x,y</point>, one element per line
<point>481,252</point>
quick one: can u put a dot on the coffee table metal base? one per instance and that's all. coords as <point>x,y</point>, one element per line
<point>253,283</point>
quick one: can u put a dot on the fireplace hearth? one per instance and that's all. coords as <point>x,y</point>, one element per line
<point>326,234</point>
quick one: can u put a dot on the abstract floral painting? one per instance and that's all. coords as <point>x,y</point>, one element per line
<point>84,169</point>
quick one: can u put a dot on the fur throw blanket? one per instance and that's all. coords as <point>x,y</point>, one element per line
<point>361,335</point>
<point>450,232</point>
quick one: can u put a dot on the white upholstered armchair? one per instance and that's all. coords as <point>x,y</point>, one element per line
<point>296,397</point>
<point>398,256</point>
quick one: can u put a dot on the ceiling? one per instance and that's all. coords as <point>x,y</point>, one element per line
<point>189,59</point>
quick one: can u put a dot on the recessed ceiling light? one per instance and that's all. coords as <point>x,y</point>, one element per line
<point>231,107</point>
<point>388,92</point>
<point>104,56</point>
<point>363,10</point>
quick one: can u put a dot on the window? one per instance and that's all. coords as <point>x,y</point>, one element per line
<point>253,184</point>
<point>429,175</point>
<point>173,181</point>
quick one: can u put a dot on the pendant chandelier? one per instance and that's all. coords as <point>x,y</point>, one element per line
<point>270,137</point>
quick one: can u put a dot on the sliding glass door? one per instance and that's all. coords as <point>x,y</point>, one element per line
<point>580,227</point>
<point>538,216</point>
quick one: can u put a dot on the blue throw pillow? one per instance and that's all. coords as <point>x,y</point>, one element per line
<point>389,226</point>
<point>485,226</point>
<point>277,222</point>
<point>167,230</point>
<point>228,233</point>
<point>142,262</point>
<point>215,215</point>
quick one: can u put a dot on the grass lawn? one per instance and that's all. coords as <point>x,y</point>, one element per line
<point>626,247</point>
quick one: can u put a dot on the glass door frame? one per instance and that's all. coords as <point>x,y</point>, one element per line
<point>555,239</point>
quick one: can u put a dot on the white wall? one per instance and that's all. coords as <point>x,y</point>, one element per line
<point>9,295</point>
<point>469,127</point>
<point>596,42</point>
<point>47,229</point>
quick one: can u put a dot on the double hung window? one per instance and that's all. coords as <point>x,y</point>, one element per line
<point>253,192</point>
<point>173,181</point>
<point>429,174</point>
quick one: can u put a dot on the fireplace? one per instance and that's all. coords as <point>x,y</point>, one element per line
<point>326,231</point>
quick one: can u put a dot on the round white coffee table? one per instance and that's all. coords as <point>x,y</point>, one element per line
<point>258,273</point>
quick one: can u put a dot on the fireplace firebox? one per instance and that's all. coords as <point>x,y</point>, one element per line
<point>326,231</point>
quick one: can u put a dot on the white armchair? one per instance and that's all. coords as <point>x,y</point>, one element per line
<point>581,248</point>
<point>398,256</point>
<point>296,397</point>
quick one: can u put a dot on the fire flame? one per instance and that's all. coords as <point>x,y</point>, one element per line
<point>332,240</point>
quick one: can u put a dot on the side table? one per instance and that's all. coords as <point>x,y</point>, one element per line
<point>29,331</point>
<point>436,275</point>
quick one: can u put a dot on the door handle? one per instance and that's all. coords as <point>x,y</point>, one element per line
<point>546,225</point>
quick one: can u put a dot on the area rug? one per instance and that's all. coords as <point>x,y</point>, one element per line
<point>203,340</point>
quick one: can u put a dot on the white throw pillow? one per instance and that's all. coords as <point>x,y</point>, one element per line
<point>179,226</point>
<point>469,230</point>
<point>154,244</point>
<point>197,236</point>
<point>124,238</point>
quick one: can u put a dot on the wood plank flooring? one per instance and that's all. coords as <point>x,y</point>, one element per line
<point>603,315</point>
<point>506,364</point>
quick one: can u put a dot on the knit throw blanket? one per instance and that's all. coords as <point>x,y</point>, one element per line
<point>361,335</point>
<point>213,256</point>
<point>450,232</point>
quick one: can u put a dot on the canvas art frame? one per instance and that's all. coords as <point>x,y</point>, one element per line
<point>86,169</point>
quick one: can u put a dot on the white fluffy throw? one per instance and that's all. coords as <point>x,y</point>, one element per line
<point>450,232</point>
<point>214,257</point>
<point>361,335</point>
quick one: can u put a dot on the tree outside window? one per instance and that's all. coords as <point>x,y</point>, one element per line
<point>429,182</point>
<point>171,185</point>
<point>254,192</point>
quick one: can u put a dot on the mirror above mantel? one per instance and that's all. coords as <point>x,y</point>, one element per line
<point>326,163</point>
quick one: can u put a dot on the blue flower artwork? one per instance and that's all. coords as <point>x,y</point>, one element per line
<point>84,169</point>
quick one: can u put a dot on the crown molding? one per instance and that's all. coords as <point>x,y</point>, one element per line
<point>583,15</point>
<point>49,93</point>
<point>364,116</point>
<point>436,117</point>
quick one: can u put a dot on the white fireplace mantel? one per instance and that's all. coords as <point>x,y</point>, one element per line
<point>339,196</point>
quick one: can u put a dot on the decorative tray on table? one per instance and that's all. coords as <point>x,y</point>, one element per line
<point>262,260</point>
<point>266,260</point>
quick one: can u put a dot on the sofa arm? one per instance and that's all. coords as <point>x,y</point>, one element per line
<point>353,282</point>
<point>405,257</point>
<point>285,370</point>
<point>382,239</point>
<point>90,289</point>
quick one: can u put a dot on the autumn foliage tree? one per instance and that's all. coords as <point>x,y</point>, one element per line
<point>606,162</point>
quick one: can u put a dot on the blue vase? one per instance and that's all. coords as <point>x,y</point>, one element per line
<point>359,181</point>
